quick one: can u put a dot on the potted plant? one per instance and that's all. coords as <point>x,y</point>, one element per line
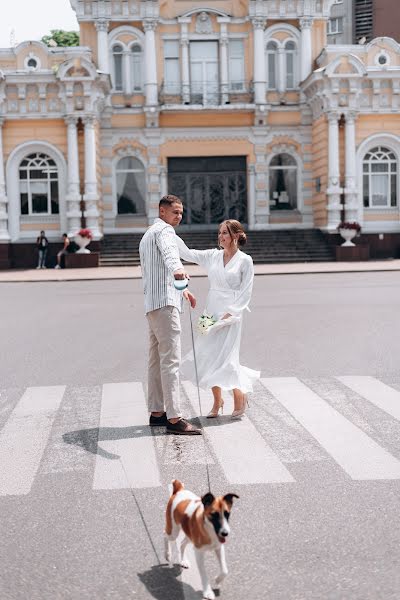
<point>348,231</point>
<point>83,239</point>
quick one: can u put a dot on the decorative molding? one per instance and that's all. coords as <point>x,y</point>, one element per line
<point>258,23</point>
<point>102,25</point>
<point>203,23</point>
<point>150,24</point>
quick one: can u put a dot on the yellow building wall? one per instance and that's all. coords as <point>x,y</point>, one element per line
<point>206,147</point>
<point>136,120</point>
<point>367,125</point>
<point>206,119</point>
<point>53,131</point>
<point>284,118</point>
<point>171,8</point>
<point>88,37</point>
<point>320,169</point>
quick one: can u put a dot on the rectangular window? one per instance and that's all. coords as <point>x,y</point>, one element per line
<point>236,66</point>
<point>366,190</point>
<point>289,71</point>
<point>271,71</point>
<point>171,67</point>
<point>379,190</point>
<point>335,25</point>
<point>118,72</point>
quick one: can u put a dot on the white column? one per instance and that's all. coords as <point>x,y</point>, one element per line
<point>351,204</point>
<point>91,193</point>
<point>73,197</point>
<point>259,74</point>
<point>251,206</point>
<point>163,181</point>
<point>306,47</point>
<point>223,59</point>
<point>150,63</point>
<point>185,71</point>
<point>281,83</point>
<point>4,235</point>
<point>126,67</point>
<point>102,45</point>
<point>333,190</point>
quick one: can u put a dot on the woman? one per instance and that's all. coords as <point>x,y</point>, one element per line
<point>230,273</point>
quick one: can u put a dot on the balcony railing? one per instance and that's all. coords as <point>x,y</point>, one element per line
<point>206,93</point>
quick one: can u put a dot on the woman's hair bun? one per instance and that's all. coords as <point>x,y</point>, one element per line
<point>242,238</point>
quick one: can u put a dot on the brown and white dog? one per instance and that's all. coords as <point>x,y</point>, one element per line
<point>205,524</point>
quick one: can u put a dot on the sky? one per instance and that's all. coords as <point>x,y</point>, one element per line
<point>31,19</point>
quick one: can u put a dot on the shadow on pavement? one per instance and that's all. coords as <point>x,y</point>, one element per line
<point>162,583</point>
<point>89,438</point>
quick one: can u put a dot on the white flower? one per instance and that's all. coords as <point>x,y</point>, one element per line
<point>204,323</point>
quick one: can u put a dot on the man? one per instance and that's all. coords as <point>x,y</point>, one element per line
<point>42,244</point>
<point>62,252</point>
<point>159,258</point>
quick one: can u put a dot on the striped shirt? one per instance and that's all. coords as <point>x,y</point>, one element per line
<point>159,259</point>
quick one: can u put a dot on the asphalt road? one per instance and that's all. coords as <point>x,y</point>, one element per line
<point>316,462</point>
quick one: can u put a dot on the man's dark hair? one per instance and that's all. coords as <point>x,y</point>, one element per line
<point>169,200</point>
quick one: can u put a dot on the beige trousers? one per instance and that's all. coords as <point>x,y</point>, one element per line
<point>164,361</point>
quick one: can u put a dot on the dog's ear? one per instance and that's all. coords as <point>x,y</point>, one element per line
<point>229,498</point>
<point>207,499</point>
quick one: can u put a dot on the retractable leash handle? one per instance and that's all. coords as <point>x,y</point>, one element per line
<point>181,284</point>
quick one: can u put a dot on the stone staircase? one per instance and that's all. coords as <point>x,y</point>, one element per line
<point>272,246</point>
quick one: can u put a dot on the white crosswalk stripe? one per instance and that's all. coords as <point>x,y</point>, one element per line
<point>24,437</point>
<point>131,459</point>
<point>359,455</point>
<point>378,393</point>
<point>241,451</point>
<point>129,454</point>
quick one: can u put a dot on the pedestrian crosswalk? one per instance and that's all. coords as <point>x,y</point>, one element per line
<point>310,415</point>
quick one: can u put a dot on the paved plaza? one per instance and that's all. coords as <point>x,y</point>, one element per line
<point>316,460</point>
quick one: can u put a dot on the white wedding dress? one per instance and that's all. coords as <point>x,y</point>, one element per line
<point>217,353</point>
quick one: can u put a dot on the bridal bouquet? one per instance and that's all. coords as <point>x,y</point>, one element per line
<point>205,322</point>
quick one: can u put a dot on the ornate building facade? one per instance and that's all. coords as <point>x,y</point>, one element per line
<point>238,106</point>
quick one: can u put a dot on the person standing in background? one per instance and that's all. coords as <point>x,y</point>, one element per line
<point>42,244</point>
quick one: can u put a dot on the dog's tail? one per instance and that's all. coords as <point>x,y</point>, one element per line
<point>174,487</point>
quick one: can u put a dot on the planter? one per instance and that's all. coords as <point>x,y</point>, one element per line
<point>348,235</point>
<point>352,253</point>
<point>82,243</point>
<point>82,261</point>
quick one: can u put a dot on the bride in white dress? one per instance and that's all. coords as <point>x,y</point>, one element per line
<point>230,274</point>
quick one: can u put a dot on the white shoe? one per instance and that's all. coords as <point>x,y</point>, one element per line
<point>57,267</point>
<point>38,267</point>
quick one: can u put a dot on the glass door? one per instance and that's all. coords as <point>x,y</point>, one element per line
<point>204,77</point>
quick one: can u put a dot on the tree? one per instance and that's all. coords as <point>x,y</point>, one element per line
<point>59,37</point>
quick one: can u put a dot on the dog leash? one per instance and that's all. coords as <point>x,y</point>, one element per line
<point>198,396</point>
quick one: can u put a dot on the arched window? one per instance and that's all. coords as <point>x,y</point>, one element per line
<point>283,182</point>
<point>290,55</point>
<point>118,53</point>
<point>272,56</point>
<point>38,185</point>
<point>131,186</point>
<point>380,178</point>
<point>136,52</point>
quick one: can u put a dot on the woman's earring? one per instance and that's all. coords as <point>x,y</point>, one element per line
<point>235,241</point>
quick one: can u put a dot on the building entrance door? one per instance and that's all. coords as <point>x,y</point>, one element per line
<point>212,188</point>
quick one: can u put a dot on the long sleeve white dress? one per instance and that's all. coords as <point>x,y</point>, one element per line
<point>230,291</point>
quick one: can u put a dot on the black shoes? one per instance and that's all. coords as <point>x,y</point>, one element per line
<point>158,421</point>
<point>182,427</point>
